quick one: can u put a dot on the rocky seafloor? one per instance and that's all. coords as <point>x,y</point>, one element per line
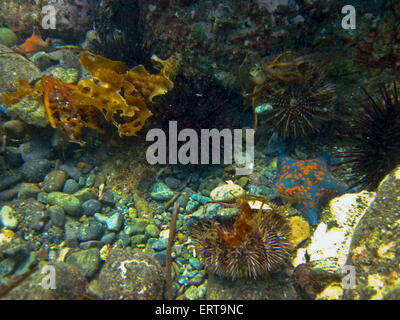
<point>105,225</point>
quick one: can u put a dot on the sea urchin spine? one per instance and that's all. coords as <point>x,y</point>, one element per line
<point>251,246</point>
<point>376,140</point>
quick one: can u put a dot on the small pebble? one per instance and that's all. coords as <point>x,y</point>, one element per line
<point>7,218</point>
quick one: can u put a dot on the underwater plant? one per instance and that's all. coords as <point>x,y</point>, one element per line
<point>296,91</point>
<point>375,134</point>
<point>255,243</point>
<point>113,94</point>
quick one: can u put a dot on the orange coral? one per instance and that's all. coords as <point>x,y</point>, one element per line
<point>112,93</point>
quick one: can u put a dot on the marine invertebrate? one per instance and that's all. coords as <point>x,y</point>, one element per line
<point>375,136</point>
<point>250,246</point>
<point>113,94</point>
<point>296,89</point>
<point>117,29</point>
<point>308,180</point>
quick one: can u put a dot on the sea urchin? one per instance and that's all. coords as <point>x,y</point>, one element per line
<point>297,91</point>
<point>249,247</point>
<point>376,135</point>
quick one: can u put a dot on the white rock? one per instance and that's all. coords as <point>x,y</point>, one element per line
<point>7,218</point>
<point>329,247</point>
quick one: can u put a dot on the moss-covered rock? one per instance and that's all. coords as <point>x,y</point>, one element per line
<point>131,275</point>
<point>375,247</point>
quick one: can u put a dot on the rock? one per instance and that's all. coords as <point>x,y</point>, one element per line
<point>8,195</point>
<point>64,74</point>
<point>85,194</point>
<point>137,227</point>
<point>90,180</point>
<point>70,186</point>
<point>90,229</point>
<point>172,182</point>
<point>108,238</point>
<point>35,170</point>
<point>183,199</point>
<point>90,244</point>
<point>9,180</point>
<point>192,206</point>
<point>299,230</point>
<point>13,157</point>
<point>87,261</point>
<point>243,181</point>
<point>57,215</point>
<point>137,239</point>
<point>161,192</point>
<point>195,293</point>
<point>38,220</point>
<point>332,292</point>
<point>30,111</point>
<point>71,230</point>
<point>71,171</point>
<point>267,288</point>
<point>211,211</point>
<point>69,284</point>
<point>227,192</point>
<point>15,129</point>
<point>99,180</point>
<point>195,263</point>
<point>160,244</point>
<point>54,181</point>
<point>113,222</point>
<point>331,240</point>
<point>374,250</point>
<point>199,198</point>
<point>309,281</point>
<point>70,204</point>
<point>152,230</point>
<point>36,149</point>
<point>7,266</point>
<point>14,67</point>
<point>91,206</point>
<point>7,217</point>
<point>131,275</point>
<point>28,190</point>
<point>8,37</point>
<point>43,60</point>
<point>198,279</point>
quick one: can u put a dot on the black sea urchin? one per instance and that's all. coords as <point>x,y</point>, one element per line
<point>376,136</point>
<point>264,247</point>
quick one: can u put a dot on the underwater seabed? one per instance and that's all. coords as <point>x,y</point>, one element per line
<point>117,127</point>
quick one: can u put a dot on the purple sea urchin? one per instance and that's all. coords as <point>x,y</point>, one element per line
<point>376,136</point>
<point>261,244</point>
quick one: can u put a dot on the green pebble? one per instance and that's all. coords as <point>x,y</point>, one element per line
<point>57,215</point>
<point>192,293</point>
<point>8,37</point>
<point>88,261</point>
<point>70,203</point>
<point>137,227</point>
<point>54,181</point>
<point>161,192</point>
<point>90,180</point>
<point>85,194</point>
<point>152,230</point>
